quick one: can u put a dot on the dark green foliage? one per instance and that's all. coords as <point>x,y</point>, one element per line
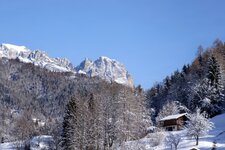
<point>215,91</point>
<point>214,74</point>
<point>69,115</point>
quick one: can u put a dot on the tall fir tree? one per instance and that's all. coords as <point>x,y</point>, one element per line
<point>70,117</point>
<point>215,94</point>
<point>208,93</point>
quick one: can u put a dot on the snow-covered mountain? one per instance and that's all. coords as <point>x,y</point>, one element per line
<point>38,58</point>
<point>107,69</point>
<point>104,67</point>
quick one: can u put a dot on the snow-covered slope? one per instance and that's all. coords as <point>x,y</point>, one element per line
<point>38,58</point>
<point>217,136</point>
<point>107,69</point>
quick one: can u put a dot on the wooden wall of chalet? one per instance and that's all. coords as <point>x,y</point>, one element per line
<point>175,122</point>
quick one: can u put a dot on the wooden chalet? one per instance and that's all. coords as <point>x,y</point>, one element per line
<point>174,122</point>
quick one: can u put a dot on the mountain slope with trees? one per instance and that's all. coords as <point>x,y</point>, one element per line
<point>198,85</point>
<point>82,112</point>
<point>34,101</point>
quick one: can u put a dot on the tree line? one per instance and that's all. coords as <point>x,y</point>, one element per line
<point>105,119</point>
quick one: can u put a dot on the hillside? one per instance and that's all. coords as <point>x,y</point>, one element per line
<point>86,107</point>
<point>199,84</point>
<point>216,135</point>
<point>34,101</point>
<point>206,143</point>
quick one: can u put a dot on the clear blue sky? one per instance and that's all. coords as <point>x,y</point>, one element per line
<point>151,38</point>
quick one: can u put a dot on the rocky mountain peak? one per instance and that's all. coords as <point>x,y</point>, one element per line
<point>107,69</point>
<point>37,57</point>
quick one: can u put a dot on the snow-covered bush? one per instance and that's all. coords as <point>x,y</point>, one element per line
<point>157,137</point>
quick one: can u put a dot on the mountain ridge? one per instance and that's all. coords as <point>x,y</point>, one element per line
<point>104,67</point>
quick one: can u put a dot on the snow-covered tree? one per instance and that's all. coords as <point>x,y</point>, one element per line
<point>70,120</point>
<point>198,96</point>
<point>132,116</point>
<point>208,94</point>
<point>157,137</point>
<point>198,125</point>
<point>104,119</point>
<point>170,108</point>
<point>24,129</point>
<point>173,140</point>
<point>216,87</point>
<point>77,126</point>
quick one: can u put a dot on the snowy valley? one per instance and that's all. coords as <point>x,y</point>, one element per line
<point>48,104</point>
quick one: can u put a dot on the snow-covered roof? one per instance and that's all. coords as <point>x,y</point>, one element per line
<point>171,117</point>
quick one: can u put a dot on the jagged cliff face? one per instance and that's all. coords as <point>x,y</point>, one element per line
<point>107,69</point>
<point>38,58</point>
<point>104,67</point>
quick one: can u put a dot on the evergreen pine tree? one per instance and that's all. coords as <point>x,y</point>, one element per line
<point>216,88</point>
<point>211,89</point>
<point>208,94</point>
<point>70,117</point>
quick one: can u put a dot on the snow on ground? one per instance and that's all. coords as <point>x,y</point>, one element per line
<point>216,135</point>
<point>43,142</point>
<point>8,146</point>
